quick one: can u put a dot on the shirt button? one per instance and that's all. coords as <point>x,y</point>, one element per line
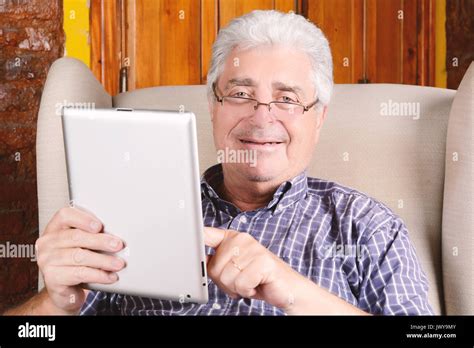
<point>216,306</point>
<point>243,219</point>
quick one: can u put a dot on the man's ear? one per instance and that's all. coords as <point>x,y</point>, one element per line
<point>210,104</point>
<point>322,117</point>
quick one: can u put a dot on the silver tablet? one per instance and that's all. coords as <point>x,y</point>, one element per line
<point>138,172</point>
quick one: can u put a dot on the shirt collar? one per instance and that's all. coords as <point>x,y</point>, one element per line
<point>288,193</point>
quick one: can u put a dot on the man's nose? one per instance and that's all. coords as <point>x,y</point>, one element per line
<point>262,115</point>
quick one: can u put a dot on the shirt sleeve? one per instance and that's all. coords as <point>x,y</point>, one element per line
<point>393,282</point>
<point>101,303</point>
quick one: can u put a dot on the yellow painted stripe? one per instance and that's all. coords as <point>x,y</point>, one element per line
<point>76,28</point>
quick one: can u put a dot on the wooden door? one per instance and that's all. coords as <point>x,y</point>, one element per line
<point>162,42</point>
<point>168,42</point>
<point>378,41</point>
<point>342,23</point>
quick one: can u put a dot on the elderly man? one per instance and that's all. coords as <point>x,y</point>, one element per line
<point>270,230</point>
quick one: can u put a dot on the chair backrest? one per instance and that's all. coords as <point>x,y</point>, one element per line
<point>398,160</point>
<point>387,141</point>
<point>458,207</point>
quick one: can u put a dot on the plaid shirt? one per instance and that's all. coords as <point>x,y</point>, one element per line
<point>342,240</point>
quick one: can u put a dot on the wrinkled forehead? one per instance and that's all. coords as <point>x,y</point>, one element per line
<point>278,67</point>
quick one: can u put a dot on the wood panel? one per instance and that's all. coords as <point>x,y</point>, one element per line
<point>216,14</point>
<point>286,5</point>
<point>169,42</point>
<point>164,43</point>
<point>105,42</point>
<point>401,41</point>
<point>426,42</point>
<point>409,49</point>
<point>384,41</point>
<point>95,37</point>
<point>341,22</point>
<point>229,9</point>
<point>209,29</point>
<point>460,43</point>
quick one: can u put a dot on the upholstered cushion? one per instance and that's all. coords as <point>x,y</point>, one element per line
<point>68,81</point>
<point>458,223</point>
<point>395,159</point>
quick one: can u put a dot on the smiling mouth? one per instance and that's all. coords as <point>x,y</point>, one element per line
<point>259,142</point>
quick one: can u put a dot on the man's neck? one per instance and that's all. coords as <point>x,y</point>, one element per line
<point>245,194</point>
<point>244,197</point>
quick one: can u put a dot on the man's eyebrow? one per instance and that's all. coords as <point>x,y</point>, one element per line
<point>249,82</point>
<point>246,81</point>
<point>284,87</point>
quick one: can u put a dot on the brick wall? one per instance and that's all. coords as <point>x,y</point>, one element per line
<point>31,38</point>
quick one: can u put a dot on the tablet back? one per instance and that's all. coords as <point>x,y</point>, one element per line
<point>138,172</point>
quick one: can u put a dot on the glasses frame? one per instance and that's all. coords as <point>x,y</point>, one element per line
<point>258,103</point>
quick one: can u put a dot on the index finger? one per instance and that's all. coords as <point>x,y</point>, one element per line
<point>70,217</point>
<point>213,237</point>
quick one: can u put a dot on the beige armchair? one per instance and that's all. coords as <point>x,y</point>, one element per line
<point>420,164</point>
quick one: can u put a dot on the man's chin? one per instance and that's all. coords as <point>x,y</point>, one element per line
<point>258,173</point>
<point>260,178</point>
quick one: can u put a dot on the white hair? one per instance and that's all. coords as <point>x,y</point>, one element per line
<point>260,28</point>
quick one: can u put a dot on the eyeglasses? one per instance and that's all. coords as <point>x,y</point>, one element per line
<point>243,106</point>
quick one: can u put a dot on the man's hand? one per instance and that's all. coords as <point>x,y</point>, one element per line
<point>68,255</point>
<point>242,267</point>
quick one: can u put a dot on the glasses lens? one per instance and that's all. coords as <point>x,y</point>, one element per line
<point>239,106</point>
<point>245,107</point>
<point>287,109</point>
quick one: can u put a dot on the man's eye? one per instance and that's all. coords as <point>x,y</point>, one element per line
<point>240,95</point>
<point>287,99</point>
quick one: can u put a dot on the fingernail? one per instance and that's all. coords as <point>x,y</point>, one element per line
<point>113,276</point>
<point>117,263</point>
<point>114,243</point>
<point>94,225</point>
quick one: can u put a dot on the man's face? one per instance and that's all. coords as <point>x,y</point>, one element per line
<point>283,145</point>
